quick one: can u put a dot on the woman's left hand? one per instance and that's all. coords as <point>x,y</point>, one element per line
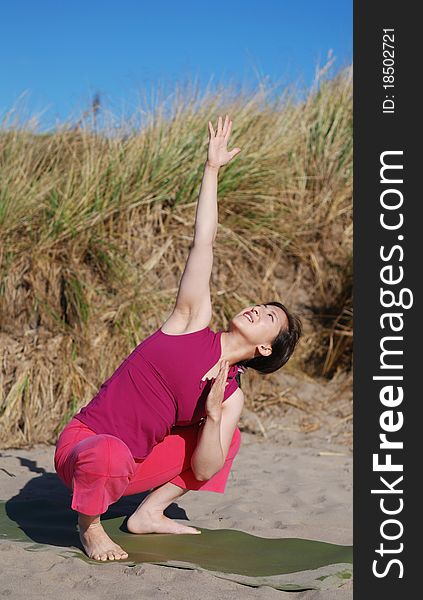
<point>215,397</point>
<point>218,154</point>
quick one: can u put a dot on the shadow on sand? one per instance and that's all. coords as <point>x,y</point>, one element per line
<point>40,513</point>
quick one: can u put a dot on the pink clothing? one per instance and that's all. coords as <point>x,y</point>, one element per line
<point>103,469</point>
<point>157,387</point>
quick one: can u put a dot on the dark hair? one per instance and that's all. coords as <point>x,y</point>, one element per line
<point>282,346</point>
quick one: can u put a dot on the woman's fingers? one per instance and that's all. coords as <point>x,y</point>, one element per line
<point>228,130</point>
<point>224,366</point>
<point>219,126</point>
<point>234,152</point>
<point>225,126</point>
<point>223,372</point>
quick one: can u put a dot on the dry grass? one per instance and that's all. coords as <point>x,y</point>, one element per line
<point>95,231</point>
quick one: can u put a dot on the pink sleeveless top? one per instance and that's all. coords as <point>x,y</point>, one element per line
<point>156,387</point>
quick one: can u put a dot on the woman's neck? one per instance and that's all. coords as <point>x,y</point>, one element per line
<point>233,348</point>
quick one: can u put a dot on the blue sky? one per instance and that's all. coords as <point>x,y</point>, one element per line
<point>60,53</point>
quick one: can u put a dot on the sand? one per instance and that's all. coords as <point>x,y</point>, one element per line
<point>286,485</point>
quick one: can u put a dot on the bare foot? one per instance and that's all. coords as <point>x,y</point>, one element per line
<point>156,523</point>
<point>98,545</point>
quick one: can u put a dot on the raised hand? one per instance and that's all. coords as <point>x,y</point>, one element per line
<point>218,154</point>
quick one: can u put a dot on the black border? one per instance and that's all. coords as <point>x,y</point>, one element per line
<point>375,132</point>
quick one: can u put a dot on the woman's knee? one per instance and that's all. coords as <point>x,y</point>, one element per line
<point>104,454</point>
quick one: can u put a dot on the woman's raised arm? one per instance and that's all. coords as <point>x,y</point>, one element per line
<point>218,155</point>
<point>193,298</point>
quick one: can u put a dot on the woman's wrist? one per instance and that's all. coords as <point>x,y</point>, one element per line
<point>214,417</point>
<point>212,167</point>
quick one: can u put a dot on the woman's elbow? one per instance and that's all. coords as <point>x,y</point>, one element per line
<point>204,475</point>
<point>201,476</point>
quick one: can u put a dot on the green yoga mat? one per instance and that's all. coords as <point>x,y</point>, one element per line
<point>283,563</point>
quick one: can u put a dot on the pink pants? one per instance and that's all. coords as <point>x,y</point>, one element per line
<point>101,469</point>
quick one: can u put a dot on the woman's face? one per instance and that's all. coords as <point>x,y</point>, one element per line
<point>260,323</point>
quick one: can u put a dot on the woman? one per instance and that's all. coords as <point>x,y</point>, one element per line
<point>158,422</point>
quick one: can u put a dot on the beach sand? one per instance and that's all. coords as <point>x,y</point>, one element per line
<point>287,484</point>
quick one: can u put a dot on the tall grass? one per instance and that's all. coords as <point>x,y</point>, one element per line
<point>95,228</point>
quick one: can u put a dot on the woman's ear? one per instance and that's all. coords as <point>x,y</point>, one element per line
<point>265,350</point>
